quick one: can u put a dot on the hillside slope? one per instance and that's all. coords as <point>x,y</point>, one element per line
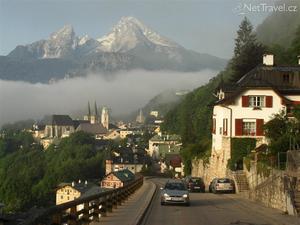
<point>279,28</point>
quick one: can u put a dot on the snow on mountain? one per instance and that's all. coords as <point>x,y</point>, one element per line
<point>129,45</point>
<point>130,33</point>
<point>61,43</point>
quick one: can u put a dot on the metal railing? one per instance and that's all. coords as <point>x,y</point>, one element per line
<point>86,209</point>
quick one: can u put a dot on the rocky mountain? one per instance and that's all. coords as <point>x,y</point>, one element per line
<point>129,45</point>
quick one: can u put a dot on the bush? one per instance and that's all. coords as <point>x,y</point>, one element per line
<point>240,148</point>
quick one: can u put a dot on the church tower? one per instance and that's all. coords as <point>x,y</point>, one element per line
<point>94,118</point>
<point>88,116</point>
<point>105,118</point>
<point>140,118</point>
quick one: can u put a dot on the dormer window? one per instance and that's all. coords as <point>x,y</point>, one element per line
<point>256,101</point>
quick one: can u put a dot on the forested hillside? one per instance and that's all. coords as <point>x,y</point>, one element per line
<point>279,28</point>
<point>29,175</point>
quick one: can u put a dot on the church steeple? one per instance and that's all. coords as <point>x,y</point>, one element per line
<point>89,109</point>
<point>88,115</point>
<point>96,110</point>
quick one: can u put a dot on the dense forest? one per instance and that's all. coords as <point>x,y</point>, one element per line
<point>191,118</point>
<point>29,175</point>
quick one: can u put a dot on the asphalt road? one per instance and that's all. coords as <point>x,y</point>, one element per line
<point>214,209</point>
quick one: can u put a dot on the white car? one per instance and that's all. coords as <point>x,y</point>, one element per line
<point>175,192</point>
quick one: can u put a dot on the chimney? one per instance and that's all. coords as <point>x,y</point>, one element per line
<point>268,60</point>
<point>298,59</point>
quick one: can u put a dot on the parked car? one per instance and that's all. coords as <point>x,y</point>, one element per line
<point>211,184</point>
<point>223,185</point>
<point>175,192</point>
<point>195,184</point>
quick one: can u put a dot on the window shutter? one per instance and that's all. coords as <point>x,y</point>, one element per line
<point>259,127</point>
<point>225,126</point>
<point>269,101</point>
<point>213,130</point>
<point>245,101</point>
<point>238,127</point>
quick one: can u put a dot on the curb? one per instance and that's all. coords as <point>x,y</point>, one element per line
<point>141,217</point>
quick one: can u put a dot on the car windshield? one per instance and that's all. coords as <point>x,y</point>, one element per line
<point>196,180</point>
<point>175,186</point>
<point>225,180</point>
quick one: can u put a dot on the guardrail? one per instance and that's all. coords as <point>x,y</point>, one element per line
<point>87,209</point>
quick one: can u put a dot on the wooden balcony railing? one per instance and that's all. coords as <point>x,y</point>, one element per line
<point>86,209</point>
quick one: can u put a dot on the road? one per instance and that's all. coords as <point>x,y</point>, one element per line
<point>214,209</point>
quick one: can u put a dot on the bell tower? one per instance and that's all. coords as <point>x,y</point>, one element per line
<point>105,118</point>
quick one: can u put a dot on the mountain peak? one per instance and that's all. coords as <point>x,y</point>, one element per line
<point>129,33</point>
<point>66,31</point>
<point>132,21</point>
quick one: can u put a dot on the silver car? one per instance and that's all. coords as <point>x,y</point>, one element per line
<point>219,185</point>
<point>175,192</point>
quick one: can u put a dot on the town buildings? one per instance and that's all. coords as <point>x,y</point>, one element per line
<point>117,179</point>
<point>161,141</point>
<point>67,192</point>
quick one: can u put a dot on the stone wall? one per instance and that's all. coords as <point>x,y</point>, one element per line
<point>271,192</point>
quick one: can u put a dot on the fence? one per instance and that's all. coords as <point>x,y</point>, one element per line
<point>84,210</point>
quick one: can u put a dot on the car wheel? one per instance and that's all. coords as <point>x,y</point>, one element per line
<point>162,203</point>
<point>187,204</point>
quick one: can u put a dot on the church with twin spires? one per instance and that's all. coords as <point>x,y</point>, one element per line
<point>95,118</point>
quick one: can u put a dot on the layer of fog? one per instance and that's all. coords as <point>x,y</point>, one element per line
<point>124,94</point>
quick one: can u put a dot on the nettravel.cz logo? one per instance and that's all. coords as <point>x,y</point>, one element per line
<point>244,8</point>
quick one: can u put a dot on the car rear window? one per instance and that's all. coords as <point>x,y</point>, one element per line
<point>197,180</point>
<point>224,180</point>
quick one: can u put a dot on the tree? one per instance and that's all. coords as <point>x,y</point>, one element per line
<point>295,48</point>
<point>247,52</point>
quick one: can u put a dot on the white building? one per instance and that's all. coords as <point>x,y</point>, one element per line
<point>105,118</point>
<point>243,109</point>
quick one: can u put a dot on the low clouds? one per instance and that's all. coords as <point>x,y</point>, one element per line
<point>125,93</point>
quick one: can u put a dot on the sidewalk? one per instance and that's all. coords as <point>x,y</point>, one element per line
<point>132,210</point>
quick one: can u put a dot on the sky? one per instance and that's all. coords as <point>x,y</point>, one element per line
<point>206,26</point>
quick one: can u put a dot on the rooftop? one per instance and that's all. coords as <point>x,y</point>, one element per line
<point>124,175</point>
<point>60,120</point>
<point>172,137</point>
<point>96,128</point>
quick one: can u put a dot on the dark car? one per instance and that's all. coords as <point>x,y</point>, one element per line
<point>195,184</point>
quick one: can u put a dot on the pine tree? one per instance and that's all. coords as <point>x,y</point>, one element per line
<point>295,49</point>
<point>247,52</point>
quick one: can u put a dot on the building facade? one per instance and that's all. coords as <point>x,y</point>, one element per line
<point>243,108</point>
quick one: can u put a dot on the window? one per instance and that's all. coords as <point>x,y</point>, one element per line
<point>214,126</point>
<point>61,197</point>
<point>256,101</point>
<point>249,128</point>
<point>225,125</point>
<point>286,78</point>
